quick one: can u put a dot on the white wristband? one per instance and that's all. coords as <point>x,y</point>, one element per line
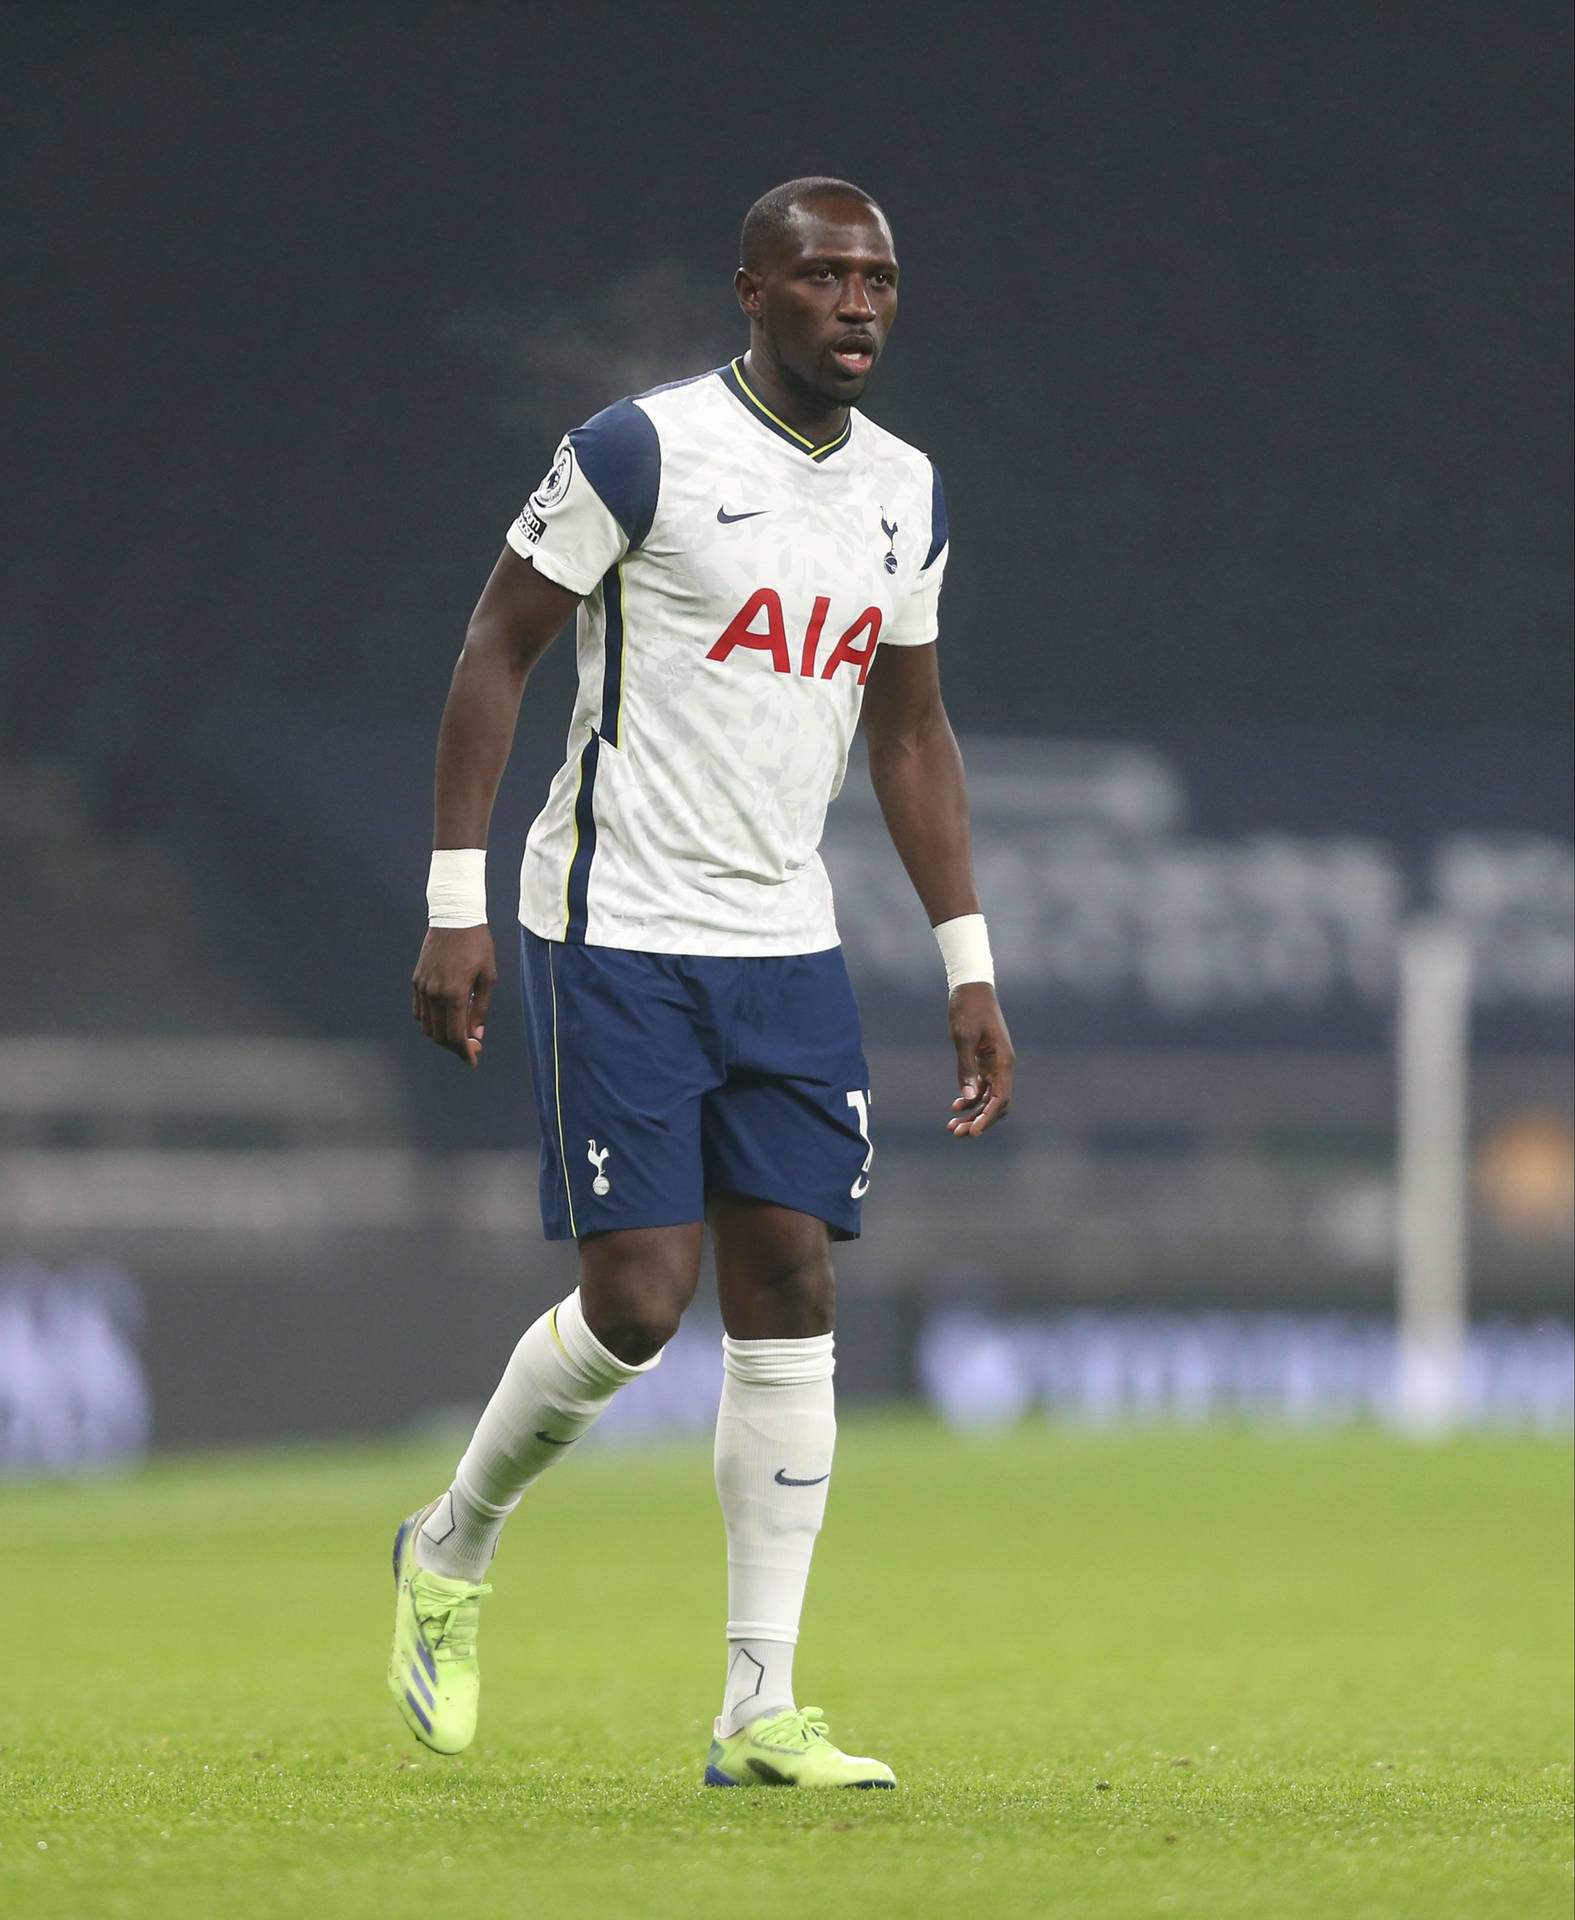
<point>965,947</point>
<point>457,887</point>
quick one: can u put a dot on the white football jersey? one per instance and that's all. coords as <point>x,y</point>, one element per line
<point>737,580</point>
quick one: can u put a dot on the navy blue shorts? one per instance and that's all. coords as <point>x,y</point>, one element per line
<point>662,1077</point>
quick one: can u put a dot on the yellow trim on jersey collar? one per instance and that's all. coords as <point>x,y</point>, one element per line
<point>746,392</point>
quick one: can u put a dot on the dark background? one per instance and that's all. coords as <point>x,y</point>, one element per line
<point>1241,344</point>
<point>1240,336</point>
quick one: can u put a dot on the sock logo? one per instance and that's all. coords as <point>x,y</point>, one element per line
<point>784,1479</point>
<point>598,1159</point>
<point>440,1510</point>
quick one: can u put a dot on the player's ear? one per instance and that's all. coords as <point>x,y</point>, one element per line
<point>748,292</point>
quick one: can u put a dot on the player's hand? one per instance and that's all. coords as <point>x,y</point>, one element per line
<point>984,1059</point>
<point>452,988</point>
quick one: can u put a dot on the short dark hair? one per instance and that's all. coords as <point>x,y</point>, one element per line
<point>772,214</point>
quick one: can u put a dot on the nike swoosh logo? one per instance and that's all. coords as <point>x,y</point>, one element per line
<point>785,1479</point>
<point>726,519</point>
<point>554,1443</point>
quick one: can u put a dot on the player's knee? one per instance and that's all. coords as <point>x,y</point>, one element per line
<point>634,1287</point>
<point>632,1311</point>
<point>815,1300</point>
<point>635,1331</point>
<point>804,1292</point>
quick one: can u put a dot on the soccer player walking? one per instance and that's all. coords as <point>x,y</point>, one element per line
<point>752,563</point>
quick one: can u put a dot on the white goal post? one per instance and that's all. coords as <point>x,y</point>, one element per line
<point>1433,1174</point>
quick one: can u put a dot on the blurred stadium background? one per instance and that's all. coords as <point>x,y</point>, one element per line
<point>1242,346</point>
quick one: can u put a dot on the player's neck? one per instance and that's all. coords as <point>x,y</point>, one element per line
<point>795,404</point>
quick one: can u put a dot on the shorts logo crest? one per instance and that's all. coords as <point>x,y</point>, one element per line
<point>598,1159</point>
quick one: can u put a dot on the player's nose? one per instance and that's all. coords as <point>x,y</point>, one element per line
<point>855,303</point>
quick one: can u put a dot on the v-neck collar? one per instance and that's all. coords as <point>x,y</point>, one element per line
<point>733,379</point>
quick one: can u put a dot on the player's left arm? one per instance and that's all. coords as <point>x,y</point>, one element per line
<point>918,777</point>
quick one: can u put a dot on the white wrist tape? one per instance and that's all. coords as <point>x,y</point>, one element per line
<point>965,947</point>
<point>457,887</point>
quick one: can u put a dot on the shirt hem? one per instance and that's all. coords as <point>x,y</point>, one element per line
<point>732,949</point>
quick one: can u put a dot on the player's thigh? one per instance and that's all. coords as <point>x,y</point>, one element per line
<point>774,1274</point>
<point>790,1124</point>
<point>621,1071</point>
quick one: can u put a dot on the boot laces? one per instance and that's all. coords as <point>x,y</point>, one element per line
<point>804,1727</point>
<point>450,1622</point>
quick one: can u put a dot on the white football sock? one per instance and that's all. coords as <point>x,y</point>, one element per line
<point>559,1379</point>
<point>776,1430</point>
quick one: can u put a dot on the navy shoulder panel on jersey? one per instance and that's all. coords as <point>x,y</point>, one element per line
<point>938,528</point>
<point>619,452</point>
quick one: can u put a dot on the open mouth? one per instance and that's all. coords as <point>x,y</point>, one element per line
<point>854,354</point>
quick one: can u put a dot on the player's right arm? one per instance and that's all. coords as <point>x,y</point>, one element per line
<point>518,616</point>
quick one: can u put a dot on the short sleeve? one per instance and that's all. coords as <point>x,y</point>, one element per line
<point>597,502</point>
<point>917,621</point>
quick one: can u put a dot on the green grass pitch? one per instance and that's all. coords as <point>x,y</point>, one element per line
<point>1208,1673</point>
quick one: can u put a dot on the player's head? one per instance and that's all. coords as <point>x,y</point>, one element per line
<point>817,277</point>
